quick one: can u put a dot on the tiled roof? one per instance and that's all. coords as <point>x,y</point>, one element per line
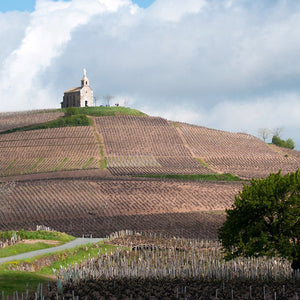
<point>72,90</point>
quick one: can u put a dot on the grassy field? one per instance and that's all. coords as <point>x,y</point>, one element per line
<point>11,279</point>
<point>38,235</point>
<point>101,111</point>
<point>21,247</point>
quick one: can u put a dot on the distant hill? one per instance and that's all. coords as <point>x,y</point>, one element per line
<point>89,179</point>
<point>128,142</point>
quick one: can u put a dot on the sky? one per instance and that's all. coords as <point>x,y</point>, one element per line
<point>232,65</point>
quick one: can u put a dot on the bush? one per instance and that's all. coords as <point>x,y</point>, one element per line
<point>289,143</point>
<point>71,111</point>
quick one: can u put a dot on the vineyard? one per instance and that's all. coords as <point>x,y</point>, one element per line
<point>145,145</point>
<point>21,119</point>
<point>155,267</point>
<point>81,180</point>
<point>188,209</point>
<point>48,150</point>
<point>237,153</point>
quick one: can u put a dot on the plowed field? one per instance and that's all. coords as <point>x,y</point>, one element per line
<point>188,209</point>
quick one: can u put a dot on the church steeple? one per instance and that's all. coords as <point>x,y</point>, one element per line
<point>84,80</point>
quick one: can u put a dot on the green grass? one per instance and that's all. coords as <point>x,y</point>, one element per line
<point>38,235</point>
<point>88,163</point>
<point>34,166</point>
<point>60,164</point>
<point>23,248</point>
<point>201,162</point>
<point>196,177</point>
<point>101,111</point>
<point>102,163</point>
<point>70,121</point>
<point>76,256</point>
<point>80,119</point>
<point>11,281</point>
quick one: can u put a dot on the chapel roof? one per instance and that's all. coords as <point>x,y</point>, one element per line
<point>74,89</point>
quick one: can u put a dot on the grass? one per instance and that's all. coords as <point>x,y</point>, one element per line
<point>38,235</point>
<point>34,166</point>
<point>102,163</point>
<point>88,163</point>
<point>76,256</point>
<point>11,281</point>
<point>201,162</point>
<point>195,177</point>
<point>101,111</point>
<point>70,121</point>
<point>78,117</point>
<point>60,164</point>
<point>23,248</point>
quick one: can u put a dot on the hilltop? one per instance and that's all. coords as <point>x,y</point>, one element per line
<point>91,179</point>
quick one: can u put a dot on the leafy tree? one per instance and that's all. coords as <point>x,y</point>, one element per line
<point>265,219</point>
<point>289,143</point>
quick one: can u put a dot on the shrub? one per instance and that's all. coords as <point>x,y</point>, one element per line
<point>71,111</point>
<point>289,143</point>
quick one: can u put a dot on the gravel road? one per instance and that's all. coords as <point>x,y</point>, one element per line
<point>75,243</point>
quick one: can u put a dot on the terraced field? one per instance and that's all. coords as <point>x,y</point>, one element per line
<point>188,209</point>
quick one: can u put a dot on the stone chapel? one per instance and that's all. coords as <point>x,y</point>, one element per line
<point>79,96</point>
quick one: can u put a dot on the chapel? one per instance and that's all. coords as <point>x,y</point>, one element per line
<point>79,96</point>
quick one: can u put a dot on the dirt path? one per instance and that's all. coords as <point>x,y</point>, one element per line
<point>75,243</point>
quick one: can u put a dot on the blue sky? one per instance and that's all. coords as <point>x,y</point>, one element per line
<point>28,5</point>
<point>232,65</point>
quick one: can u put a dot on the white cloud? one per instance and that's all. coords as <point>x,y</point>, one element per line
<point>231,64</point>
<point>49,30</point>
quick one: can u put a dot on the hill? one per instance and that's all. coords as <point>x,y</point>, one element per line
<point>81,179</point>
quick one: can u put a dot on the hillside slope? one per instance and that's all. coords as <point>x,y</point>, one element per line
<point>241,154</point>
<point>72,178</point>
<point>134,145</point>
<point>99,207</point>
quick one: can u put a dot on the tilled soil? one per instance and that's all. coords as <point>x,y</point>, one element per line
<point>135,288</point>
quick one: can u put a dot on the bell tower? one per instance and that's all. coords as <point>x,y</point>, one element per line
<point>84,80</point>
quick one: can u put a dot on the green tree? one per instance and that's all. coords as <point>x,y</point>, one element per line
<point>289,143</point>
<point>265,220</point>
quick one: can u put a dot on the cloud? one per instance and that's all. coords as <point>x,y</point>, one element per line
<point>47,33</point>
<point>232,65</point>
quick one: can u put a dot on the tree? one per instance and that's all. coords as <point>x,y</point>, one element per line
<point>265,220</point>
<point>277,131</point>
<point>289,143</point>
<point>108,98</point>
<point>264,133</point>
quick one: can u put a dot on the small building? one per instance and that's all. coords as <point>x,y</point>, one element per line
<point>79,96</point>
